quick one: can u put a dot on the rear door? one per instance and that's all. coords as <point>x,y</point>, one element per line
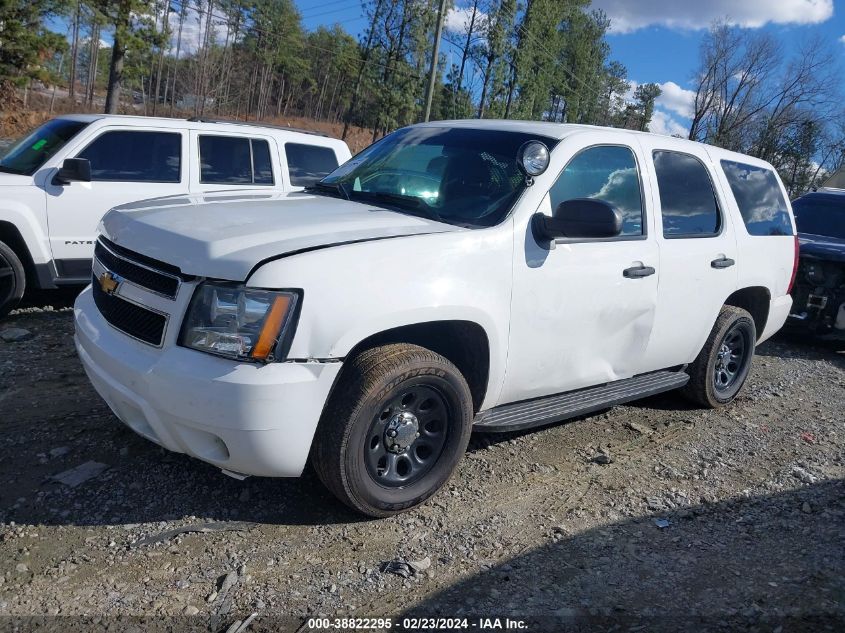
<point>127,164</point>
<point>698,251</point>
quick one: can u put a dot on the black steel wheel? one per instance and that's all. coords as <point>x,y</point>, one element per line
<point>731,358</point>
<point>721,368</point>
<point>394,430</point>
<point>12,279</point>
<point>407,436</point>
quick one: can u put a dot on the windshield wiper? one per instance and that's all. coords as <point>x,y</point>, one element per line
<point>10,170</point>
<point>417,206</point>
<point>329,187</point>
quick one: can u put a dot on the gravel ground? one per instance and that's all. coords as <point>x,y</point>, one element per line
<point>702,520</point>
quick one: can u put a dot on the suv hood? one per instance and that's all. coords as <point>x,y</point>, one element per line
<point>14,179</point>
<point>822,247</point>
<point>225,235</point>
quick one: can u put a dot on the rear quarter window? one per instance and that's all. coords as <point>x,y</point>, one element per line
<point>758,196</point>
<point>308,164</point>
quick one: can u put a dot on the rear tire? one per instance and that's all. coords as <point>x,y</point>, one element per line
<point>394,430</point>
<point>12,280</point>
<point>721,368</point>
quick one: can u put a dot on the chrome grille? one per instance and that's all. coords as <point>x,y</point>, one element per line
<point>131,267</point>
<point>136,321</point>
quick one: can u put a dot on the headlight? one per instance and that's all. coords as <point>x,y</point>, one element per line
<point>238,322</point>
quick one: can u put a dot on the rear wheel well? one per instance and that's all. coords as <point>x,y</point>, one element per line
<point>756,301</point>
<point>464,343</point>
<point>10,236</point>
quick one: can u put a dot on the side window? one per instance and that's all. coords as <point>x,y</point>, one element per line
<point>135,156</point>
<point>759,199</point>
<point>261,164</point>
<point>309,163</point>
<point>607,173</point>
<point>687,200</point>
<point>232,160</point>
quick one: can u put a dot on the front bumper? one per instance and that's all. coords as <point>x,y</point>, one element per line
<point>242,417</point>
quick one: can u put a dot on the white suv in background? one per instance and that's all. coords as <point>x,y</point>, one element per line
<point>57,182</point>
<point>454,276</point>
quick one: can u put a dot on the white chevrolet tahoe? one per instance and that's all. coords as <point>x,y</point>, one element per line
<point>57,182</point>
<point>453,277</point>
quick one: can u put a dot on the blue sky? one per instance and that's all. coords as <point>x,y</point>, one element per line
<point>657,40</point>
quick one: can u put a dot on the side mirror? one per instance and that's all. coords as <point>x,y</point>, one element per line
<point>73,169</point>
<point>578,218</point>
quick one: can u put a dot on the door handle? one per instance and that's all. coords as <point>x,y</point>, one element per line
<point>638,272</point>
<point>722,262</point>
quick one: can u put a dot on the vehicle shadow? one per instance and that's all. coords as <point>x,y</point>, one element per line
<point>60,298</point>
<point>144,483</point>
<point>764,563</point>
<point>797,345</point>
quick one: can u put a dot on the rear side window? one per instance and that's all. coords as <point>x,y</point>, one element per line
<point>759,199</point>
<point>309,163</point>
<point>687,200</point>
<point>231,160</point>
<point>135,156</point>
<point>608,173</point>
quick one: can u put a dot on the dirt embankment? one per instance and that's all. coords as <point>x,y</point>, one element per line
<point>16,121</point>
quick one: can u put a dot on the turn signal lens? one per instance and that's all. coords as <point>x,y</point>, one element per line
<point>272,327</point>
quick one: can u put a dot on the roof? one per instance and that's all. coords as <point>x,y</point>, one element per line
<point>561,130</point>
<point>544,128</point>
<point>836,197</point>
<point>177,122</point>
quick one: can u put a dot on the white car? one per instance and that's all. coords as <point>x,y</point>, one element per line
<point>454,276</point>
<point>57,182</point>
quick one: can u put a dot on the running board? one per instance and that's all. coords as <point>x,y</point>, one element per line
<point>549,409</point>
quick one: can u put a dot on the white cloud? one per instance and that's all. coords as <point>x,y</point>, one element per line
<point>628,15</point>
<point>673,97</point>
<point>842,39</point>
<point>676,99</point>
<point>629,95</point>
<point>193,31</point>
<point>458,20</point>
<point>663,123</point>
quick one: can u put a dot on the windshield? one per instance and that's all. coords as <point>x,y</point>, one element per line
<point>820,216</point>
<point>28,154</point>
<point>467,177</point>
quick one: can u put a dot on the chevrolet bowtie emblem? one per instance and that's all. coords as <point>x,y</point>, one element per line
<point>109,282</point>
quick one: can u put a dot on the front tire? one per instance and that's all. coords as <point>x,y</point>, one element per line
<point>394,430</point>
<point>12,280</point>
<point>721,368</point>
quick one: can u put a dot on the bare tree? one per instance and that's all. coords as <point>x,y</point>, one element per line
<point>733,83</point>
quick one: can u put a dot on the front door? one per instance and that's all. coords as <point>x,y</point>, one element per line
<point>127,164</point>
<point>582,312</point>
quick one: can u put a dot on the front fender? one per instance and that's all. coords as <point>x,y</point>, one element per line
<point>355,291</point>
<point>26,209</point>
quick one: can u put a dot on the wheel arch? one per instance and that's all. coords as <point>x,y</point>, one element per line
<point>756,300</point>
<point>11,236</point>
<point>464,343</point>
